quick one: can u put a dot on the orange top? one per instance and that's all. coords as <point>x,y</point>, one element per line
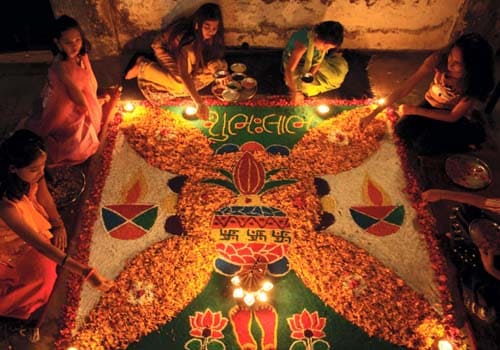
<point>11,244</point>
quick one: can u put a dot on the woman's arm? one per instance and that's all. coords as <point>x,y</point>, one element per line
<point>434,195</point>
<point>45,199</point>
<point>184,67</point>
<point>463,107</point>
<point>491,204</point>
<point>292,64</point>
<point>488,260</point>
<point>163,56</point>
<point>424,70</point>
<point>16,222</point>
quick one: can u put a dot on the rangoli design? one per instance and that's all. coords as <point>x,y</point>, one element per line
<point>250,270</point>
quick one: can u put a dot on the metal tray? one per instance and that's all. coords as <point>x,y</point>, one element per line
<point>468,171</point>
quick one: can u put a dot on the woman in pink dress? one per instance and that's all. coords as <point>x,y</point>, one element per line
<point>32,234</point>
<point>70,120</point>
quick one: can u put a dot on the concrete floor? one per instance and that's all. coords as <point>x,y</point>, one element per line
<point>22,76</point>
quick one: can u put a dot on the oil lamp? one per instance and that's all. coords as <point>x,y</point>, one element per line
<point>190,112</point>
<point>128,106</point>
<point>323,109</point>
<point>444,344</point>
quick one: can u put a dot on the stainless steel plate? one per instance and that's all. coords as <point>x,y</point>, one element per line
<point>468,171</point>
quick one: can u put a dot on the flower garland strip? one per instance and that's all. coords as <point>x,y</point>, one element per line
<point>81,248</point>
<point>427,224</point>
<point>177,270</point>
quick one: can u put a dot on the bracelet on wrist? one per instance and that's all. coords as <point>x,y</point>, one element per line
<point>56,222</point>
<point>63,261</point>
<point>87,274</point>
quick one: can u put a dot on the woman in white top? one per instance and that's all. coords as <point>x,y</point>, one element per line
<point>463,77</point>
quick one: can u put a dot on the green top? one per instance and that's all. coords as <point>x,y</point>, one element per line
<point>305,36</point>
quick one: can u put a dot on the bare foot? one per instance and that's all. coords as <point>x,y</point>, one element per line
<point>134,71</point>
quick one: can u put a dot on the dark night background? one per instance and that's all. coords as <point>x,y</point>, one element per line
<point>25,25</point>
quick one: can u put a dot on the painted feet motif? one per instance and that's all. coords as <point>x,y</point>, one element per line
<point>267,319</point>
<point>241,320</point>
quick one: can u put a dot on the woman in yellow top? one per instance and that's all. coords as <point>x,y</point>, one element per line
<point>188,52</point>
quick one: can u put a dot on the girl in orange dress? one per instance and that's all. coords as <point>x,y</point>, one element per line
<point>70,120</point>
<point>32,234</point>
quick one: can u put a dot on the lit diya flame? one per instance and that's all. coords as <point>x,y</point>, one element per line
<point>381,101</point>
<point>444,344</point>
<point>128,106</point>
<point>190,111</point>
<point>323,109</point>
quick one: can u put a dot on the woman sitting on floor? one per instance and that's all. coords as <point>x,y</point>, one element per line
<point>307,53</point>
<point>463,77</point>
<point>32,234</point>
<point>188,53</point>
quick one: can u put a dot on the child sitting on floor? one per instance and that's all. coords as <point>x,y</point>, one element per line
<point>32,234</point>
<point>70,118</point>
<point>463,77</point>
<point>306,53</point>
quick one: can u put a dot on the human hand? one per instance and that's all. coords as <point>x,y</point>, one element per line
<point>104,99</point>
<point>99,282</point>
<point>432,195</point>
<point>60,237</point>
<point>202,111</point>
<point>365,121</point>
<point>405,109</point>
<point>297,98</point>
<point>492,204</point>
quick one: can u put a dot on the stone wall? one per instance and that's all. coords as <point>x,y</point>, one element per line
<point>114,26</point>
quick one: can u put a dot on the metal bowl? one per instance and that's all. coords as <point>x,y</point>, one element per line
<point>66,184</point>
<point>248,83</point>
<point>217,90</point>
<point>238,77</point>
<point>238,67</point>
<point>483,229</point>
<point>468,171</point>
<point>230,95</point>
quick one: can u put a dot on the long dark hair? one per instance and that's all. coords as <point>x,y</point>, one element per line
<point>477,55</point>
<point>190,31</point>
<point>62,24</point>
<point>18,151</point>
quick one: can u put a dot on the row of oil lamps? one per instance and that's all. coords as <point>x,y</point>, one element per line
<point>190,111</point>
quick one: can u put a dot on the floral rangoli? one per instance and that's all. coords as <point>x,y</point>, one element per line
<point>301,236</point>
